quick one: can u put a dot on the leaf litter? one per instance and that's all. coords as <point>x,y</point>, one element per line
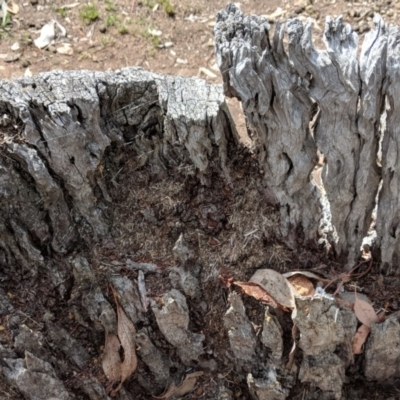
<point>254,290</point>
<point>185,387</point>
<point>277,286</point>
<point>116,369</point>
<point>302,285</point>
<point>359,338</point>
<point>111,360</point>
<point>279,290</point>
<point>365,312</point>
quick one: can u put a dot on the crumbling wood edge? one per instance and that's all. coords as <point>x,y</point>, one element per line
<point>55,130</point>
<point>285,88</point>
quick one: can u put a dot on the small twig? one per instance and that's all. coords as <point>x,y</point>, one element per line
<point>358,276</point>
<point>27,316</point>
<point>142,291</point>
<point>343,278</point>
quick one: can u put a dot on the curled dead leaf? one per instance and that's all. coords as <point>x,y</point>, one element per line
<point>277,286</point>
<point>254,290</point>
<point>359,338</point>
<point>127,337</point>
<point>111,359</point>
<point>303,286</point>
<point>365,312</point>
<point>185,387</point>
<point>308,274</point>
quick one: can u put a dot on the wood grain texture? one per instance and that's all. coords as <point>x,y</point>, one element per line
<point>335,92</point>
<point>278,109</point>
<point>55,130</point>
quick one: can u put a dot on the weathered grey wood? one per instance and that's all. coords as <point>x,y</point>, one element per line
<point>335,87</point>
<point>388,216</point>
<point>55,129</point>
<point>278,109</point>
<point>368,175</point>
<point>281,92</point>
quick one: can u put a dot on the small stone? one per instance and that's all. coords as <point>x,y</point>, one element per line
<point>310,9</point>
<point>102,29</point>
<point>299,10</point>
<point>25,64</point>
<point>34,2</point>
<point>15,47</point>
<point>12,58</point>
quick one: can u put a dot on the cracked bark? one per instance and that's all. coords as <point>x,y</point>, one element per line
<point>388,216</point>
<point>56,128</point>
<point>278,109</point>
<point>281,91</point>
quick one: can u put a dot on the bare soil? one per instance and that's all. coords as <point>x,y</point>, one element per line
<point>125,34</point>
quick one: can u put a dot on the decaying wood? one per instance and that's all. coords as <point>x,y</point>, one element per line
<point>368,174</point>
<point>56,128</point>
<point>281,91</point>
<point>335,87</point>
<point>62,137</point>
<point>388,228</point>
<point>278,109</point>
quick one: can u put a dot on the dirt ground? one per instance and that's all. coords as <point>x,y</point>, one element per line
<point>175,38</point>
<point>118,33</point>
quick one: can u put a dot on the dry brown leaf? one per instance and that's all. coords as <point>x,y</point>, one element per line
<point>303,286</point>
<point>308,274</point>
<point>359,338</point>
<point>365,312</point>
<point>185,387</point>
<point>277,286</point>
<point>111,360</point>
<point>126,334</point>
<point>256,291</point>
